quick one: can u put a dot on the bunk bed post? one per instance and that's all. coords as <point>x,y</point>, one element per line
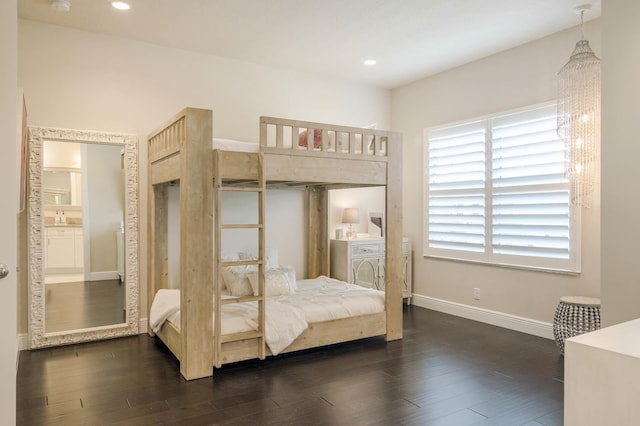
<point>196,246</point>
<point>393,263</point>
<point>158,232</point>
<point>318,231</point>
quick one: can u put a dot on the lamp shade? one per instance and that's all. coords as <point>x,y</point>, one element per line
<point>351,215</point>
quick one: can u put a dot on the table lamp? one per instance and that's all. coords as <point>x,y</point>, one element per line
<point>351,216</point>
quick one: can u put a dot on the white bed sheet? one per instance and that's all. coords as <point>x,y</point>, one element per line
<point>233,145</point>
<point>324,299</point>
<point>315,300</point>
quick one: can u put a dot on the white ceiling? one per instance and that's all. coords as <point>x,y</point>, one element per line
<point>410,39</point>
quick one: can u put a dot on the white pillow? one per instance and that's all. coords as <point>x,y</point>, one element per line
<point>279,281</point>
<point>247,255</point>
<point>290,273</point>
<point>271,255</point>
<point>236,280</point>
<point>229,255</point>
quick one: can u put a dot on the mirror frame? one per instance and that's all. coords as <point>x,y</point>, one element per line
<point>35,217</point>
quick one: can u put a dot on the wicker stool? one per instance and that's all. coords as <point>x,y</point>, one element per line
<point>575,315</point>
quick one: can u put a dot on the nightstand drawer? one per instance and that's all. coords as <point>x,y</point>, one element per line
<point>367,249</point>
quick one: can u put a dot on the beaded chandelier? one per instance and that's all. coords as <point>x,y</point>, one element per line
<point>579,118</point>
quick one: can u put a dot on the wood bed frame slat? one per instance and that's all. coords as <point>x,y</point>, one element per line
<point>240,189</point>
<point>165,170</point>
<point>241,262</point>
<point>318,334</point>
<point>245,335</point>
<point>242,226</point>
<point>295,131</point>
<point>241,300</point>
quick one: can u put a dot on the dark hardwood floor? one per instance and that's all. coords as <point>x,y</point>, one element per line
<point>446,371</point>
<point>83,304</point>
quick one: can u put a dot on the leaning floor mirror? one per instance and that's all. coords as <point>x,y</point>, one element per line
<point>83,236</point>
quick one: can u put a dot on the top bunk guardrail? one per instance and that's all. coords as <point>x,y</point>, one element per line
<point>169,138</point>
<point>280,136</point>
<point>283,136</point>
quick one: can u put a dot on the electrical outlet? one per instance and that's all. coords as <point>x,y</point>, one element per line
<point>476,293</point>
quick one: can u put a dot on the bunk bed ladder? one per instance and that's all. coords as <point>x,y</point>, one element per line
<point>259,334</point>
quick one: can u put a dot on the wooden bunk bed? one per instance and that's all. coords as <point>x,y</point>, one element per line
<point>333,157</point>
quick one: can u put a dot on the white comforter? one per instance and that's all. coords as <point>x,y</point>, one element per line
<point>315,300</point>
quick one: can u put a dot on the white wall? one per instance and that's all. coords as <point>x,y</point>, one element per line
<point>81,80</point>
<point>285,227</point>
<point>365,199</point>
<point>284,223</point>
<point>620,155</point>
<point>515,78</point>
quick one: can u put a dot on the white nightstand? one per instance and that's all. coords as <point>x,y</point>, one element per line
<point>362,262</point>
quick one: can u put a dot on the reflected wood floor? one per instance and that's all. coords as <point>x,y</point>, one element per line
<point>446,371</point>
<point>83,304</point>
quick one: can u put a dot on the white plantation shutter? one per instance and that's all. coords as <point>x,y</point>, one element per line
<point>456,179</point>
<point>530,191</point>
<point>496,192</point>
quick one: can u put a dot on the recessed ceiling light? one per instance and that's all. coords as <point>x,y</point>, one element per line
<point>370,62</point>
<point>60,5</point>
<point>120,5</point>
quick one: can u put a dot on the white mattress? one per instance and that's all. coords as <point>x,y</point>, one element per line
<point>233,145</point>
<point>315,300</point>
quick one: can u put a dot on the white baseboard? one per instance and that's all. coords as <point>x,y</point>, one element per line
<point>143,325</point>
<point>23,341</point>
<point>102,276</point>
<point>512,322</point>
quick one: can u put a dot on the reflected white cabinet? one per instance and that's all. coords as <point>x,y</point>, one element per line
<point>362,262</point>
<point>63,248</point>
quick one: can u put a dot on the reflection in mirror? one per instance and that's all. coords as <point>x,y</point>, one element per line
<point>61,187</point>
<point>83,236</point>
<point>61,180</point>
<point>83,250</point>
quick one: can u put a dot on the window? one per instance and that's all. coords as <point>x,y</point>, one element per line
<point>496,192</point>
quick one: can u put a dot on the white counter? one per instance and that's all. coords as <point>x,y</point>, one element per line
<point>602,377</point>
